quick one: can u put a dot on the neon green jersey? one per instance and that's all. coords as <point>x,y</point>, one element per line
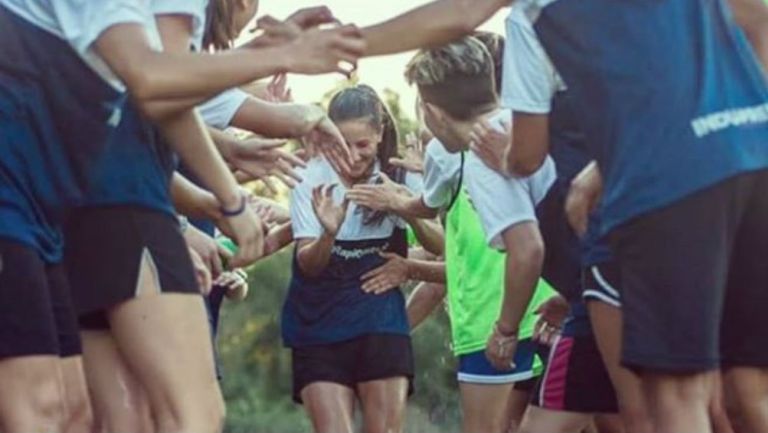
<point>475,277</point>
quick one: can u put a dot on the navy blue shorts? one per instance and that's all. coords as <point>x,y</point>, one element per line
<point>601,283</point>
<point>475,368</point>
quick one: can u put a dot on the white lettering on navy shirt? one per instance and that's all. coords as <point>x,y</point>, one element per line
<point>715,122</point>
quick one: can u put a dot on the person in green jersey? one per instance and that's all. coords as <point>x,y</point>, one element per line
<point>475,274</point>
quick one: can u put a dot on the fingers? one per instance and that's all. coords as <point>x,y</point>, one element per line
<point>380,284</point>
<point>214,260</point>
<point>374,273</point>
<point>385,179</point>
<point>269,184</point>
<point>288,169</point>
<point>294,159</point>
<point>223,251</point>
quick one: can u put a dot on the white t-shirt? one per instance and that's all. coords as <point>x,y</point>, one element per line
<point>81,22</point>
<point>530,79</point>
<point>304,222</point>
<point>219,111</point>
<point>505,202</point>
<point>193,8</point>
<point>441,175</point>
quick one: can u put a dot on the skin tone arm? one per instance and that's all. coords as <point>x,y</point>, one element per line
<point>583,196</point>
<point>435,23</point>
<point>752,17</point>
<point>398,270</point>
<point>423,302</point>
<point>153,76</point>
<point>278,238</point>
<point>313,255</point>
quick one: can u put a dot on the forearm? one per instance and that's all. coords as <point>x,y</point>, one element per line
<point>314,255</point>
<point>277,120</point>
<point>429,234</point>
<point>589,182</point>
<point>423,301</point>
<point>191,200</point>
<point>426,271</point>
<point>436,23</point>
<point>162,76</point>
<point>278,238</point>
<point>189,138</point>
<point>530,143</point>
<point>752,17</point>
<point>521,278</point>
<point>414,208</point>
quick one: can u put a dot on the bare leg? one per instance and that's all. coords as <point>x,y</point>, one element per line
<point>747,390</point>
<point>383,403</point>
<point>538,420</point>
<point>78,414</point>
<point>165,341</point>
<point>606,322</point>
<point>484,407</point>
<point>330,406</point>
<point>119,402</point>
<point>679,403</point>
<point>31,399</point>
<point>516,407</point>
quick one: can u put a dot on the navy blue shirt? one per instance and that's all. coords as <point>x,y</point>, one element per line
<point>332,306</point>
<point>669,91</point>
<point>56,114</point>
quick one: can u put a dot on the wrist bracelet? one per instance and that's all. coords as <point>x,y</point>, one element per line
<point>240,209</point>
<point>183,224</point>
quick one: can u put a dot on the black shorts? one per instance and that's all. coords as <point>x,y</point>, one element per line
<point>103,254</point>
<point>576,379</point>
<point>348,363</point>
<point>602,283</point>
<point>36,313</point>
<point>694,279</point>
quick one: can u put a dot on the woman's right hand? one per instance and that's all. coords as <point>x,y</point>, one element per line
<point>247,231</point>
<point>330,214</point>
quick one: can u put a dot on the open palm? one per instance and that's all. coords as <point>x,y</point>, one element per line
<point>330,214</point>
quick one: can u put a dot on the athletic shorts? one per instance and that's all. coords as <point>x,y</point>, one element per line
<point>104,250</point>
<point>576,379</point>
<point>601,283</point>
<point>36,313</point>
<point>694,280</point>
<point>348,363</point>
<point>475,368</point>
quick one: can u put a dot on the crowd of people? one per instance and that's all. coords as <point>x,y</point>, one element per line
<point>589,194</point>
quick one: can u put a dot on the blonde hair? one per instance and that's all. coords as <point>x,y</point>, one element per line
<point>466,57</point>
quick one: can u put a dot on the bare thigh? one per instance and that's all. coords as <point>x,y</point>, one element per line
<point>330,407</point>
<point>383,403</point>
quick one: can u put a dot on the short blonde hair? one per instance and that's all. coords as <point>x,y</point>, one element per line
<point>466,57</point>
<point>458,77</point>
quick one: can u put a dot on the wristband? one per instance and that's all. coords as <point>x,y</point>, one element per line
<point>240,209</point>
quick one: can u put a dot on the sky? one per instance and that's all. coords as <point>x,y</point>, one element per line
<point>381,72</point>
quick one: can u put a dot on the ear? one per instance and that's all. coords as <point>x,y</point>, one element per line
<point>434,111</point>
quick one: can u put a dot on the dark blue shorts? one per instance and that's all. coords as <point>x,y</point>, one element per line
<point>475,368</point>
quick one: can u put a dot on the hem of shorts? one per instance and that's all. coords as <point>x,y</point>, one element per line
<point>503,379</point>
<point>670,365</point>
<point>288,344</point>
<point>11,354</point>
<point>595,295</point>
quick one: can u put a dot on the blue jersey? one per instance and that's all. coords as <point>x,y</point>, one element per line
<point>50,132</point>
<point>670,93</point>
<point>332,307</point>
<point>134,168</point>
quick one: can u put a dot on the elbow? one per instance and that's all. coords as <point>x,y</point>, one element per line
<point>528,255</point>
<point>526,167</point>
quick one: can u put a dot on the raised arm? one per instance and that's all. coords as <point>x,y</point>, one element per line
<point>435,23</point>
<point>314,254</point>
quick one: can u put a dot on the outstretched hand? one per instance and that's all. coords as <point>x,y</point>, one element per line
<point>262,159</point>
<point>413,156</point>
<point>330,214</point>
<point>386,196</point>
<point>551,313</point>
<point>388,276</point>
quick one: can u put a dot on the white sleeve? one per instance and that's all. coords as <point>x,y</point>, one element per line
<point>501,202</point>
<point>414,182</point>
<point>196,9</point>
<point>83,21</point>
<point>439,186</point>
<point>219,111</point>
<point>530,80</point>
<point>304,222</point>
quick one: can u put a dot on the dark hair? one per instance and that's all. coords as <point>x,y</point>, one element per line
<point>362,102</point>
<point>495,44</point>
<point>220,31</point>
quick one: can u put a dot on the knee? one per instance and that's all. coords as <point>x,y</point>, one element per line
<point>79,416</point>
<point>670,390</point>
<point>204,415</point>
<point>45,401</point>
